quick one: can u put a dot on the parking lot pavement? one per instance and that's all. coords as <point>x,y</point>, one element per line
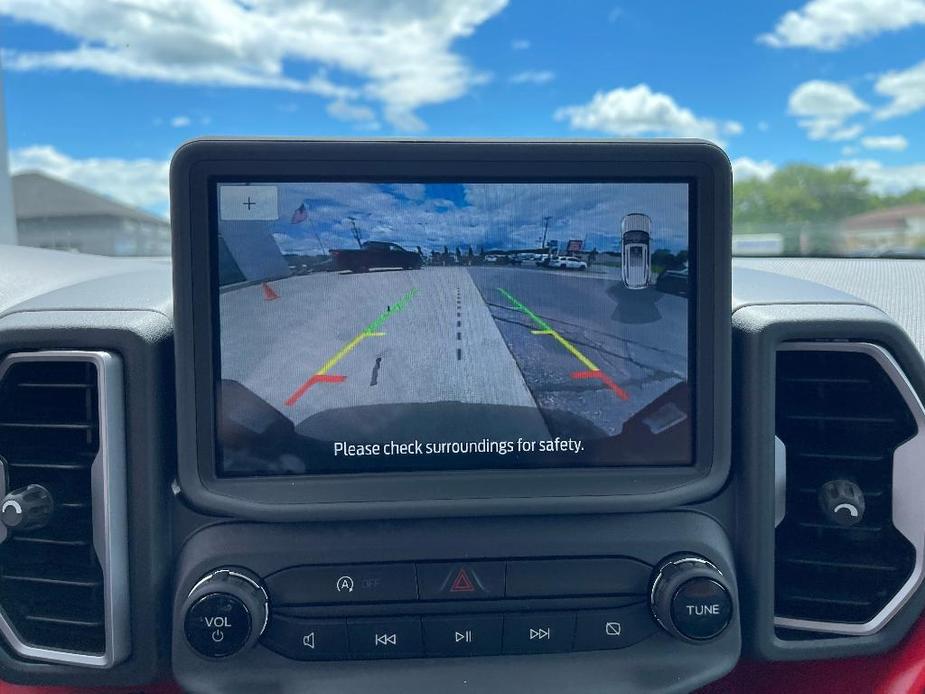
<point>563,326</point>
<point>567,353</point>
<point>345,341</point>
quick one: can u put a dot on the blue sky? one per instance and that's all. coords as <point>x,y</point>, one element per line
<point>103,93</point>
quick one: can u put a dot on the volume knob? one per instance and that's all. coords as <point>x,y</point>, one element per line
<point>226,612</point>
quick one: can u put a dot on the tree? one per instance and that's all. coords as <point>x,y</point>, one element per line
<point>916,196</point>
<point>801,194</point>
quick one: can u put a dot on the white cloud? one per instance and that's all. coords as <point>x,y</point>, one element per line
<point>140,182</point>
<point>849,151</point>
<point>894,143</point>
<point>828,25</point>
<point>520,44</point>
<point>905,87</point>
<point>401,53</point>
<point>533,77</point>
<point>354,113</point>
<point>638,111</point>
<point>888,180</point>
<point>733,128</point>
<point>180,121</point>
<point>744,168</point>
<point>824,108</point>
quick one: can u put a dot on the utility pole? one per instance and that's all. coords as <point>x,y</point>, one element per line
<point>7,213</point>
<point>545,228</point>
<point>356,232</point>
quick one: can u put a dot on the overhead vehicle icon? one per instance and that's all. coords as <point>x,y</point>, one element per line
<point>637,264</point>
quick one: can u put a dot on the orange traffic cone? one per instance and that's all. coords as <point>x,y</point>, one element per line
<point>268,292</point>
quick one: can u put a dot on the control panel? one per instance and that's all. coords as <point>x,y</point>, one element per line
<point>447,609</point>
<point>264,599</point>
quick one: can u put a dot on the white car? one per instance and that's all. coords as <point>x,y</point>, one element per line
<point>568,262</point>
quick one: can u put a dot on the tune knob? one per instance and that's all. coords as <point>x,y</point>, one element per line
<point>29,508</point>
<point>226,612</point>
<point>690,598</point>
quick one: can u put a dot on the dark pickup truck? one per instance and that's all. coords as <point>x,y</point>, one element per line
<point>375,255</point>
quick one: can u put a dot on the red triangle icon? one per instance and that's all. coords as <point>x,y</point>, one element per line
<point>462,583</point>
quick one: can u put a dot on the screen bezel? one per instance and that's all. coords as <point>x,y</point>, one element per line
<point>200,164</point>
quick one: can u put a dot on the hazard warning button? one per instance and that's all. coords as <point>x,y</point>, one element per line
<point>477,580</point>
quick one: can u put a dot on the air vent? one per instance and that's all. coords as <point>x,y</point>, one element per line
<point>63,587</point>
<point>845,411</point>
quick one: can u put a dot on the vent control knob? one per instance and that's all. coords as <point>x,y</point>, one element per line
<point>29,508</point>
<point>690,598</point>
<point>842,501</point>
<point>225,612</point>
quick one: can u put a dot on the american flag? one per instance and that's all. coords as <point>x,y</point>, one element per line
<point>300,215</point>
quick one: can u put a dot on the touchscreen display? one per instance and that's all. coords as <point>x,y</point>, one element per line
<point>377,326</point>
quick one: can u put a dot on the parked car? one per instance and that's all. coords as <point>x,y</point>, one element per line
<point>375,255</point>
<point>568,262</point>
<point>674,282</point>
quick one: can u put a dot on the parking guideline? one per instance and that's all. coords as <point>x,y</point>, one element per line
<point>371,330</point>
<point>593,372</point>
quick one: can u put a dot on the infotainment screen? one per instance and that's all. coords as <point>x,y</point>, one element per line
<point>389,326</point>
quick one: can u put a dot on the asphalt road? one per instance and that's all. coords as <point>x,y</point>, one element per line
<point>552,352</point>
<point>342,342</point>
<point>636,338</point>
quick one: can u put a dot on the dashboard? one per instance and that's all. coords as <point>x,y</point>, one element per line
<point>303,459</point>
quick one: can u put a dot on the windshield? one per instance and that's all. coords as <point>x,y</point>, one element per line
<point>820,105</point>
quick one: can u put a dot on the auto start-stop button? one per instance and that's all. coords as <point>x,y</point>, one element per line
<point>701,608</point>
<point>218,625</point>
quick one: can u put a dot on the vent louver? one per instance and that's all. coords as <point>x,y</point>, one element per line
<point>841,413</point>
<point>57,586</point>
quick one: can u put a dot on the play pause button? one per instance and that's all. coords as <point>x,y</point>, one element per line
<point>539,633</point>
<point>464,635</point>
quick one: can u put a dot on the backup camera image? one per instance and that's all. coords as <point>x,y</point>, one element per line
<point>430,326</point>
